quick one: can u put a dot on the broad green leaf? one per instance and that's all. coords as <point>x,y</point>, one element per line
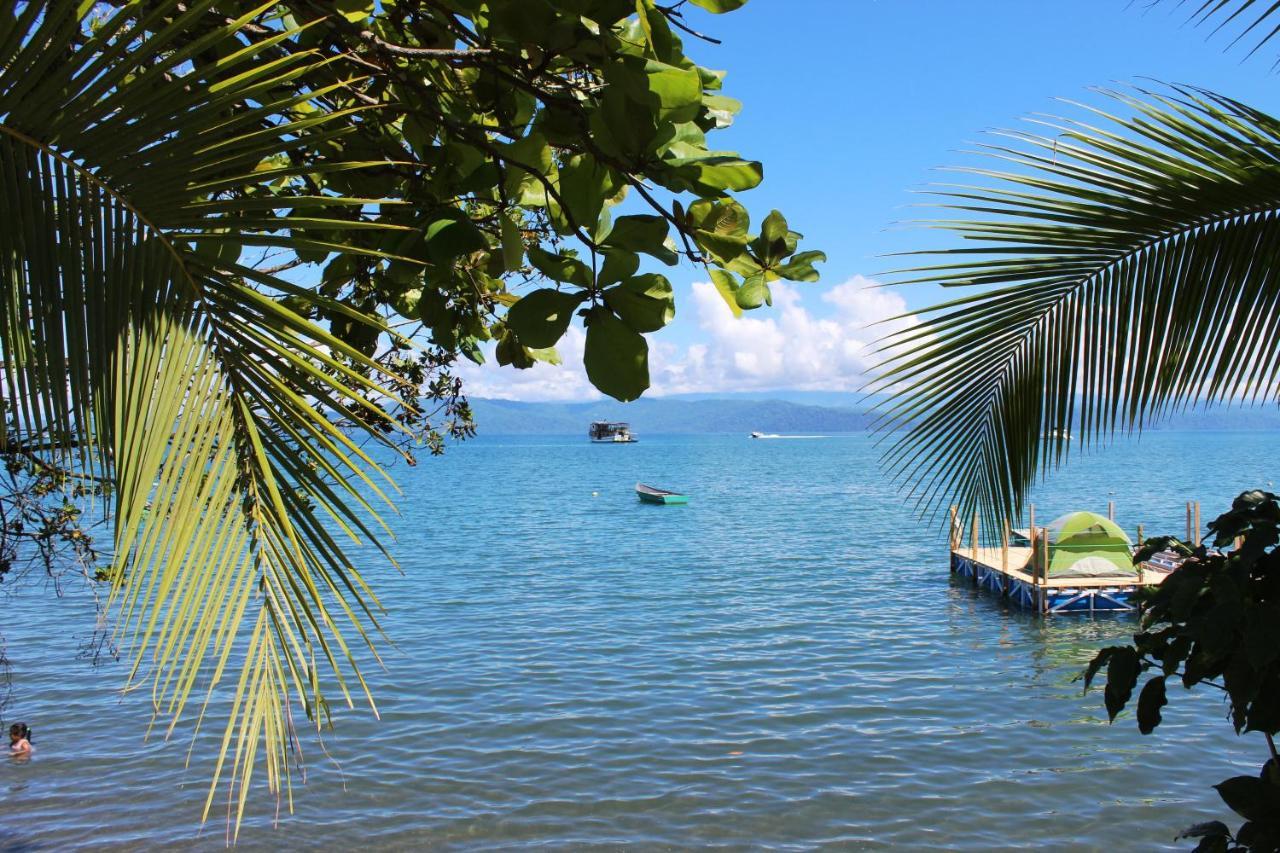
<point>622,126</point>
<point>547,354</point>
<point>642,233</point>
<point>529,167</point>
<point>406,303</point>
<point>721,109</point>
<point>720,6</point>
<point>616,357</point>
<point>560,267</point>
<point>1122,676</point>
<point>1250,797</point>
<point>677,92</point>
<point>800,267</point>
<point>449,237</point>
<point>775,242</point>
<point>404,273</point>
<point>1150,701</point>
<point>774,228</point>
<point>642,18</point>
<point>646,303</point>
<point>541,318</point>
<point>585,186</point>
<point>719,227</point>
<point>433,307</point>
<point>510,352</point>
<point>684,139</point>
<point>354,10</point>
<point>512,244</point>
<point>753,292</point>
<point>223,252</point>
<point>618,265</point>
<point>727,286</point>
<point>714,174</point>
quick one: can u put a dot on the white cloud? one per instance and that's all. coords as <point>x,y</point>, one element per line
<point>566,381</point>
<point>786,346</point>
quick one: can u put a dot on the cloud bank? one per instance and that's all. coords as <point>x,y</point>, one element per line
<point>788,346</point>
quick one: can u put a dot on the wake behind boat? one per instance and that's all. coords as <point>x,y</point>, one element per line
<point>776,435</point>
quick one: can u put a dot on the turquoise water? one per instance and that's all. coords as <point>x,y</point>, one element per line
<point>785,662</point>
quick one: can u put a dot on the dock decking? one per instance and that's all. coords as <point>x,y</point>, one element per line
<point>986,567</point>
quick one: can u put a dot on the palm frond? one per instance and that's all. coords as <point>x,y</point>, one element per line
<point>144,356</point>
<point>1116,271</point>
<point>1256,21</point>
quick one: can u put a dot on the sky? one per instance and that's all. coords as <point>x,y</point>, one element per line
<point>854,106</point>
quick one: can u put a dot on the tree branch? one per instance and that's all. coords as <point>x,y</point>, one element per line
<point>463,56</point>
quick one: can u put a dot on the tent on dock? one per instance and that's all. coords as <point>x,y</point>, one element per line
<point>1086,545</point>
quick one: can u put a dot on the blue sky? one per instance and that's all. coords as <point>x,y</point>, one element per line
<point>852,105</point>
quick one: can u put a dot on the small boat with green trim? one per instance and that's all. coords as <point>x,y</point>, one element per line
<point>649,494</point>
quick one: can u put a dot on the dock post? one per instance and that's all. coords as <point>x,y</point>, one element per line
<point>952,532</point>
<point>1140,537</point>
<point>973,536</point>
<point>1031,525</point>
<point>1004,548</point>
<point>1111,510</point>
<point>1044,556</point>
<point>1197,524</point>
<point>1188,540</point>
<point>1035,553</point>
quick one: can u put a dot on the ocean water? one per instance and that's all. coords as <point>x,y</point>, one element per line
<point>783,663</point>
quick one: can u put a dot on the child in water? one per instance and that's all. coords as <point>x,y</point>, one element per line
<point>19,739</point>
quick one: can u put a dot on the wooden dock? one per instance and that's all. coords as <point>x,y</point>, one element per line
<point>1017,569</point>
<point>983,566</point>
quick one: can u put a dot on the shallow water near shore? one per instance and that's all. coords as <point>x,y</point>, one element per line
<point>783,662</point>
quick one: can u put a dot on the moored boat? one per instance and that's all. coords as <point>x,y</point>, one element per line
<point>649,494</point>
<point>610,432</point>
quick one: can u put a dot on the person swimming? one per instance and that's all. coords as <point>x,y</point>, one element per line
<point>19,739</point>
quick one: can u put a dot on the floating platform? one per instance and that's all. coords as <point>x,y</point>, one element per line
<point>985,568</point>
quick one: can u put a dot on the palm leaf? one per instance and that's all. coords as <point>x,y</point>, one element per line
<point>1114,272</point>
<point>143,356</point>
<point>1252,20</point>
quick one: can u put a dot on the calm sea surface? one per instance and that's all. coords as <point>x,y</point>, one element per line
<point>785,663</point>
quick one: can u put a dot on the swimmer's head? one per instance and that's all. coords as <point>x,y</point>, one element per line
<point>19,731</point>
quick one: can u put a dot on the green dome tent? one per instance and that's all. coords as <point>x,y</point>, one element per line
<point>1085,544</point>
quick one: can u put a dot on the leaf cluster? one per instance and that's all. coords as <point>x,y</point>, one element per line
<point>1215,621</point>
<point>494,140</point>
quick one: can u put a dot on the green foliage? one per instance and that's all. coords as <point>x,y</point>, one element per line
<point>494,132</point>
<point>540,318</point>
<point>1216,621</point>
<point>616,356</point>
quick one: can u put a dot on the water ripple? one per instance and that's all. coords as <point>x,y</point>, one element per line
<point>784,662</point>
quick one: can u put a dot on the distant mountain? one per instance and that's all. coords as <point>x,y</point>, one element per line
<point>800,412</point>
<point>665,415</point>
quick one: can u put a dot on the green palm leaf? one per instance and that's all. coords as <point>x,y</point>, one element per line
<point>1113,272</point>
<point>141,355</point>
<point>1256,20</point>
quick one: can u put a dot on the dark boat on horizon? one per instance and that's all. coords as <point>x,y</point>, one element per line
<point>652,495</point>
<point>611,432</point>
